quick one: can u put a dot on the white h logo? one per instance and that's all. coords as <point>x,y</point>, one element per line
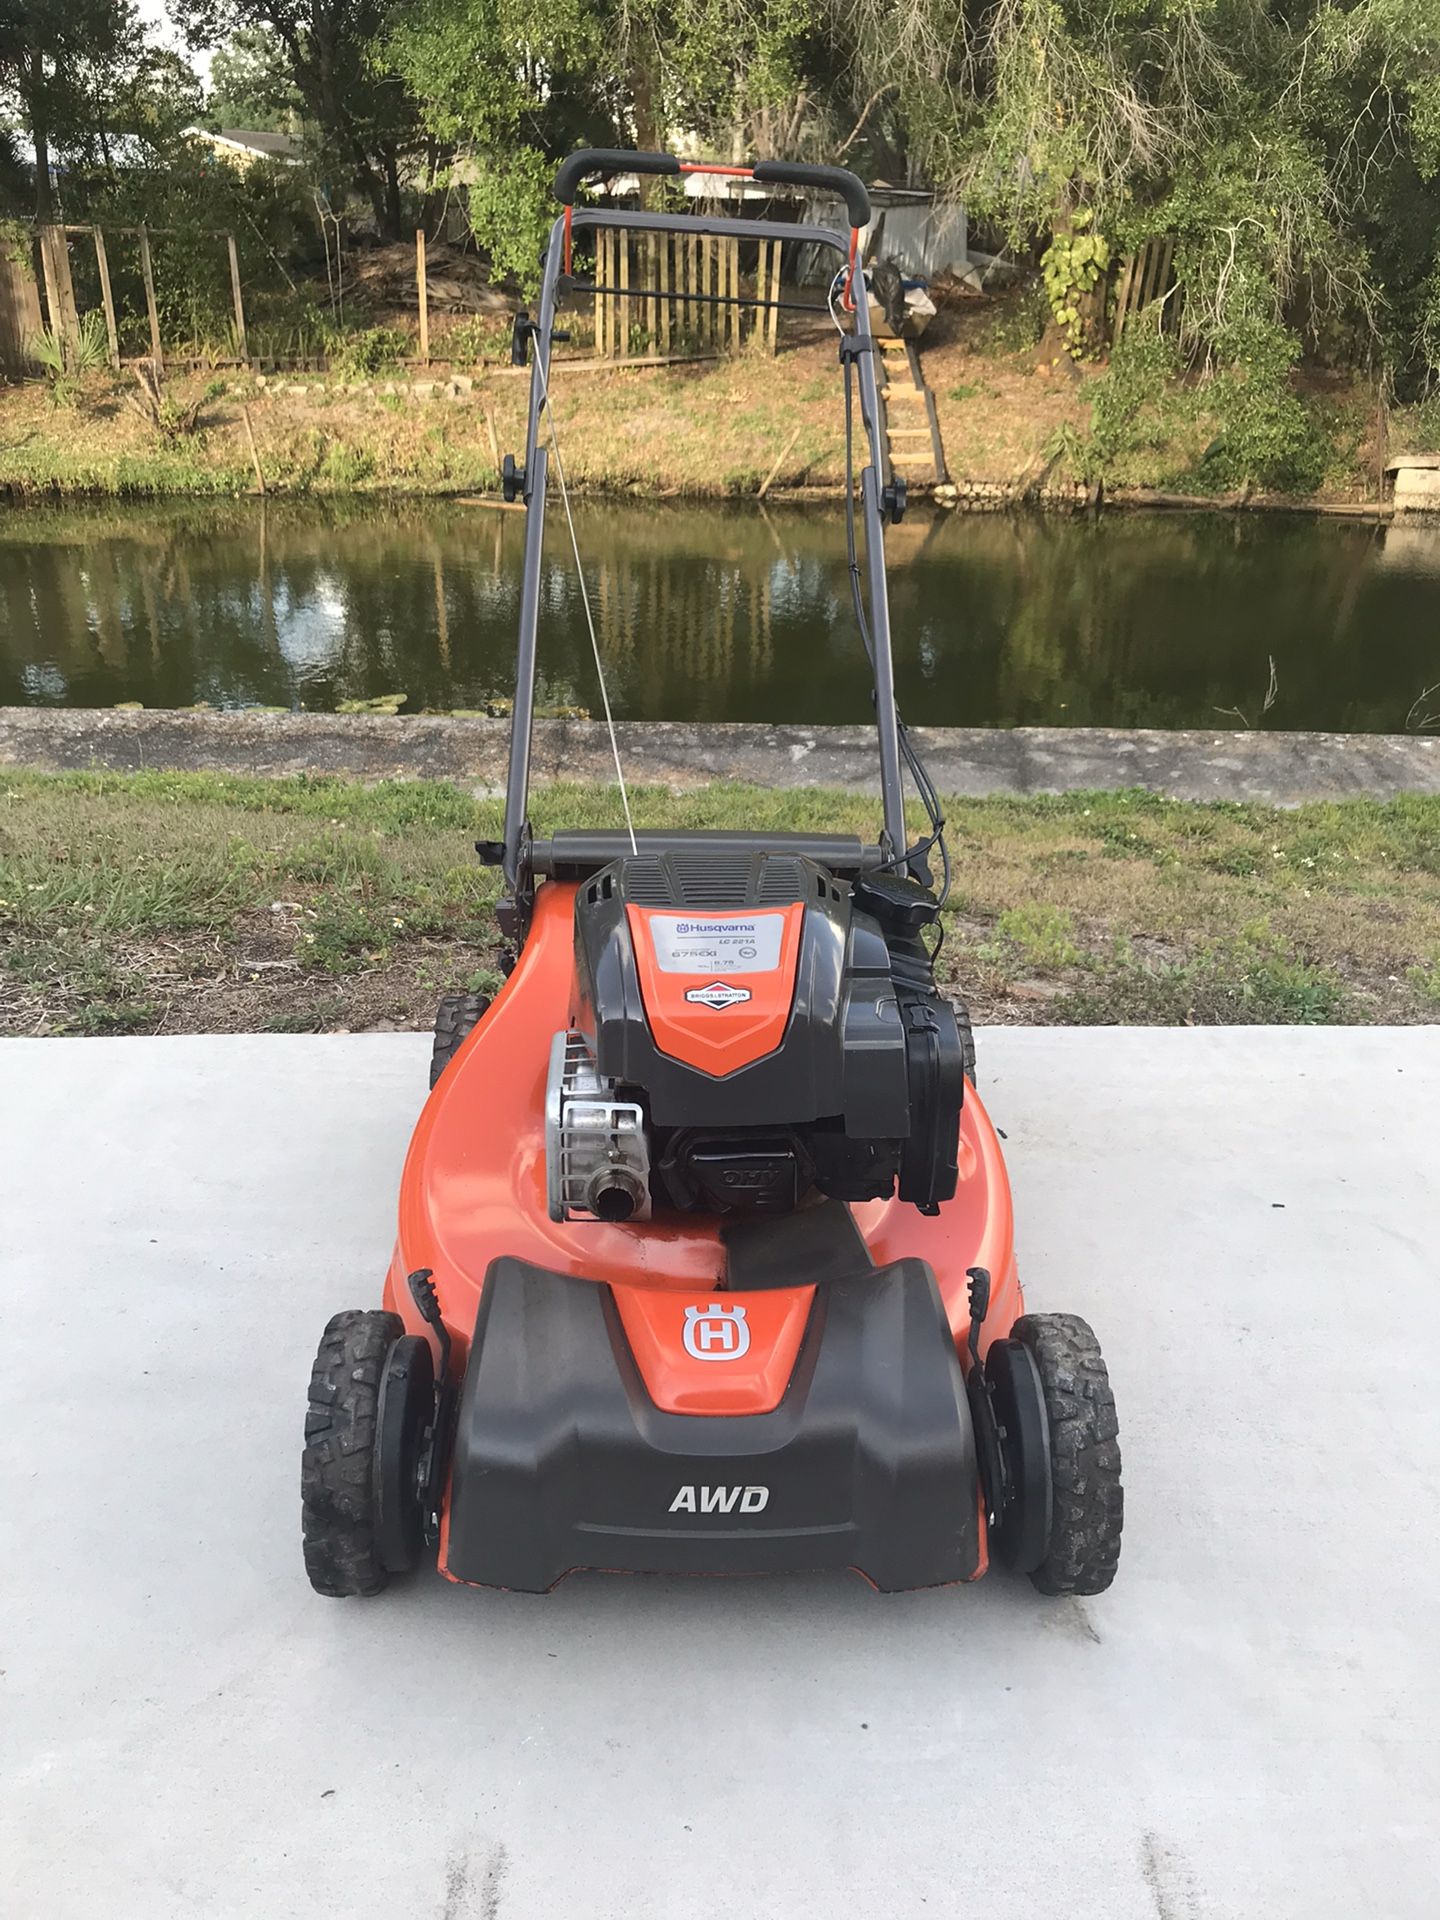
<point>717,1333</point>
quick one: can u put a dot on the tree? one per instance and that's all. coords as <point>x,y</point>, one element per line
<point>14,178</point>
<point>1257,132</point>
<point>505,87</point>
<point>509,87</point>
<point>251,84</point>
<point>362,117</point>
<point>50,51</point>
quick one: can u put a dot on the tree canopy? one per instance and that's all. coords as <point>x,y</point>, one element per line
<point>251,84</point>
<point>60,62</point>
<point>1289,148</point>
<point>363,119</point>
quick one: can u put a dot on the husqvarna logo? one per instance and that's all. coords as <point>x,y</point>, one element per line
<point>720,1500</point>
<point>716,1332</point>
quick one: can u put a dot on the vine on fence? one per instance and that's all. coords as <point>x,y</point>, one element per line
<point>14,242</point>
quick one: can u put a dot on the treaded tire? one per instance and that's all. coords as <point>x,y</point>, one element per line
<point>1089,1503</point>
<point>337,1472</point>
<point>961,1012</point>
<point>455,1016</point>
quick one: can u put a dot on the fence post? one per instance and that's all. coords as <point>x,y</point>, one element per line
<point>19,307</point>
<point>241,341</point>
<point>423,294</point>
<point>147,271</point>
<point>107,299</point>
<point>52,292</point>
<point>59,289</point>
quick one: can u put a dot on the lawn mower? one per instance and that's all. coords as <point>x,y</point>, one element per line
<point>705,1256</point>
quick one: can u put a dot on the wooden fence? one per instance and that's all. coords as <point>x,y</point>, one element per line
<point>20,314</point>
<point>19,310</point>
<point>656,293</point>
<point>1144,277</point>
<point>666,292</point>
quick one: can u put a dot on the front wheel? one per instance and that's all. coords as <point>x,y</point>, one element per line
<point>1087,1502</point>
<point>454,1018</point>
<point>338,1492</point>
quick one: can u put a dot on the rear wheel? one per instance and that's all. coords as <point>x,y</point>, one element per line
<point>455,1016</point>
<point>1087,1502</point>
<point>338,1490</point>
<point>967,1034</point>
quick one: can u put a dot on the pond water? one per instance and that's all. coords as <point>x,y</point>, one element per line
<point>723,613</point>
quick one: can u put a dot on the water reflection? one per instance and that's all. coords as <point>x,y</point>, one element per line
<point>723,614</point>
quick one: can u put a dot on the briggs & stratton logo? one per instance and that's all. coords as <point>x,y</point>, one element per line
<point>718,994</point>
<point>717,1333</point>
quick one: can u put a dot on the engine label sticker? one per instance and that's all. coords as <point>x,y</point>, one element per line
<point>717,994</point>
<point>742,943</point>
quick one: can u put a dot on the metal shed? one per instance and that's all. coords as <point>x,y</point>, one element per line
<point>924,232</point>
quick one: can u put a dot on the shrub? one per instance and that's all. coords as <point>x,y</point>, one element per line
<point>1018,322</point>
<point>1134,404</point>
<point>372,351</point>
<point>481,337</point>
<point>1267,436</point>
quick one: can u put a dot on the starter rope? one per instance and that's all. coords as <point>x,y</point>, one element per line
<point>585,598</point>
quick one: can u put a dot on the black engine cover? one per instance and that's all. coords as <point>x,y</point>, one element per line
<point>866,1084</point>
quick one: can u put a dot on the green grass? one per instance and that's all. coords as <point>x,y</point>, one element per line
<point>209,901</point>
<point>1425,979</point>
<point>1041,934</point>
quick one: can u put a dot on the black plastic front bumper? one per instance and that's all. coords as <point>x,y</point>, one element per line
<point>562,1460</point>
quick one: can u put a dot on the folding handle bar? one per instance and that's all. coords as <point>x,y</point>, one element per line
<point>605,161</point>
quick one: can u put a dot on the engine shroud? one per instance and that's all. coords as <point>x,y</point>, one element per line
<point>843,1070</point>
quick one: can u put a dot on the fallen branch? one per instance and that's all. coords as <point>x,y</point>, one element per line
<point>784,456</point>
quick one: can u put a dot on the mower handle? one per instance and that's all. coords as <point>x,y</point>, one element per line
<point>607,161</point>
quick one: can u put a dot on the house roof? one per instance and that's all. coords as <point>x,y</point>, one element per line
<point>273,146</point>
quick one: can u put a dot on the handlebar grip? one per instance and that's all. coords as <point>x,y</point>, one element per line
<point>605,161</point>
<point>849,186</point>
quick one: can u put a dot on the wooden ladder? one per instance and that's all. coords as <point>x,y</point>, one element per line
<point>908,417</point>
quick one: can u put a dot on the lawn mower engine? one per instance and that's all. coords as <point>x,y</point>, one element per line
<point>748,1032</point>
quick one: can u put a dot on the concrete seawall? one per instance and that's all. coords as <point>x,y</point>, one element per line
<point>1284,768</point>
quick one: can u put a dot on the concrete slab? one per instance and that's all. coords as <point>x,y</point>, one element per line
<point>1246,1725</point>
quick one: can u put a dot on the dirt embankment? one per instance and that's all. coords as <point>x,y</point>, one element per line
<point>702,427</point>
